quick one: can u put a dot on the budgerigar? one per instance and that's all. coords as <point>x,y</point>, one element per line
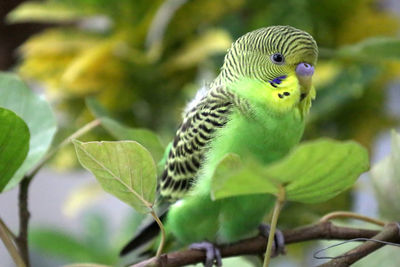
<point>256,106</point>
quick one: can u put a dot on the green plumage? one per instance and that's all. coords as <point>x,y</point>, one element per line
<point>255,107</point>
<point>244,111</point>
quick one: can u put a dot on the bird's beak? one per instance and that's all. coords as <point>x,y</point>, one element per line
<point>304,73</point>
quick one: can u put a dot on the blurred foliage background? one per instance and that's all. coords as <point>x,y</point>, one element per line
<point>143,60</point>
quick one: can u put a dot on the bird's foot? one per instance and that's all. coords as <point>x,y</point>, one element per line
<point>279,240</point>
<point>213,255</point>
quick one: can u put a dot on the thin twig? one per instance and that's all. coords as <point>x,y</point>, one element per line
<point>160,224</point>
<point>10,245</point>
<point>22,239</point>
<point>278,206</point>
<point>390,233</point>
<point>86,128</point>
<point>9,232</point>
<point>257,245</point>
<point>347,214</point>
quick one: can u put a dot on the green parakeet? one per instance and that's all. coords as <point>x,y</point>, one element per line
<point>256,106</point>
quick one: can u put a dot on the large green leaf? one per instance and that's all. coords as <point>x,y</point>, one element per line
<point>37,114</point>
<point>124,169</point>
<point>14,144</point>
<point>386,180</point>
<point>373,48</point>
<point>313,172</point>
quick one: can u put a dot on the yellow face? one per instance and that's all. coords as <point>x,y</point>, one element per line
<point>278,98</point>
<point>273,67</point>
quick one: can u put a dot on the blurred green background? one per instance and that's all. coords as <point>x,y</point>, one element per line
<point>143,60</point>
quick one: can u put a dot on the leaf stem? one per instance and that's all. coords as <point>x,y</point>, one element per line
<point>86,128</point>
<point>160,224</point>
<point>10,245</point>
<point>9,232</point>
<point>22,239</point>
<point>278,206</point>
<point>347,214</point>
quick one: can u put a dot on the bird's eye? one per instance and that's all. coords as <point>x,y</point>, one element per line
<point>278,59</point>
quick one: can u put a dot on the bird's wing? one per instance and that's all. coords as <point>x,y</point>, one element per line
<point>191,141</point>
<point>209,111</point>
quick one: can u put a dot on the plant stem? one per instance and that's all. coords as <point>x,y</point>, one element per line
<point>278,206</point>
<point>22,239</point>
<point>9,244</point>
<point>347,214</point>
<point>390,233</point>
<point>86,128</point>
<point>160,224</point>
<point>9,232</point>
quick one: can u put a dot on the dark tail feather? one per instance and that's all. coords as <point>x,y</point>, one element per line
<point>144,236</point>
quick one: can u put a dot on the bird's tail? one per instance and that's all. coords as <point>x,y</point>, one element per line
<point>147,234</point>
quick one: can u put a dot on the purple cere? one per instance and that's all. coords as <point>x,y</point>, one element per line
<point>305,69</point>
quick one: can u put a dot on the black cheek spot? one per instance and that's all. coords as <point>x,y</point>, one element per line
<point>286,93</point>
<point>280,96</point>
<point>273,84</point>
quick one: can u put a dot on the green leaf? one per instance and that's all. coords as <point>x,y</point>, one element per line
<point>124,169</point>
<point>144,137</point>
<point>14,144</point>
<point>214,41</point>
<point>61,244</point>
<point>373,48</point>
<point>96,231</point>
<point>36,113</point>
<point>313,172</point>
<point>231,178</point>
<point>96,108</point>
<point>386,180</point>
<point>350,84</point>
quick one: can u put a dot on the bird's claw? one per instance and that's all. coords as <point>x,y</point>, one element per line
<point>279,240</point>
<point>213,255</point>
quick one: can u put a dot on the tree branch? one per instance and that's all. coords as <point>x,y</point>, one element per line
<point>257,245</point>
<point>24,215</point>
<point>390,233</point>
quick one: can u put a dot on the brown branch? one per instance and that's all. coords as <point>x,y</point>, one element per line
<point>24,215</point>
<point>257,245</point>
<point>390,233</point>
<point>22,239</point>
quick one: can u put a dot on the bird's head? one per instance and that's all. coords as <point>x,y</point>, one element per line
<point>282,57</point>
